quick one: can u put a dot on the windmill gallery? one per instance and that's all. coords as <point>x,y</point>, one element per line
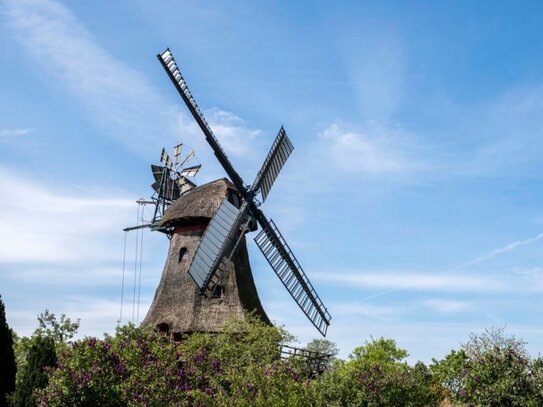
<point>207,278</point>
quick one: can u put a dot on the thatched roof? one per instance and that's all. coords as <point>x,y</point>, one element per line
<point>197,204</point>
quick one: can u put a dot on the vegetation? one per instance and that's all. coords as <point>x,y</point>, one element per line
<point>40,356</point>
<point>241,367</point>
<point>7,358</point>
<point>492,370</point>
<point>35,354</point>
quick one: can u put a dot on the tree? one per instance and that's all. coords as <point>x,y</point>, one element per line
<point>491,369</point>
<point>57,330</point>
<point>60,330</point>
<point>499,372</point>
<point>326,347</point>
<point>7,358</point>
<point>378,352</point>
<point>41,355</point>
<point>383,378</point>
<point>323,346</point>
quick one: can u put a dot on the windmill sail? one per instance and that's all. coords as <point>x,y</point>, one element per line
<point>158,172</point>
<point>278,155</point>
<point>219,237</point>
<point>284,263</point>
<point>191,171</point>
<point>187,158</point>
<point>184,184</point>
<point>165,159</point>
<point>177,153</point>
<point>169,64</point>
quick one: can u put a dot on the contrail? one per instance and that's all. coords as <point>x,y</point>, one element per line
<point>509,248</point>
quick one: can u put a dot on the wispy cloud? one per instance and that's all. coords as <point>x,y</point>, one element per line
<point>376,65</point>
<point>116,96</point>
<point>373,151</point>
<point>6,134</point>
<point>232,131</point>
<point>72,244</point>
<point>97,315</point>
<point>40,225</point>
<point>410,281</point>
<point>486,284</point>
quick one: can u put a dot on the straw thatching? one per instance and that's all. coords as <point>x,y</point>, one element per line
<point>197,205</point>
<point>178,307</point>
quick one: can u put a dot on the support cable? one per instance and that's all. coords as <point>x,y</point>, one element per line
<point>122,283</point>
<point>135,266</point>
<point>140,265</point>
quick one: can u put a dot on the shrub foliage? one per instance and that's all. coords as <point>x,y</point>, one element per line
<point>241,367</point>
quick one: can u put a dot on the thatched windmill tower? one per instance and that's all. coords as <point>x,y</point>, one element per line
<point>178,306</point>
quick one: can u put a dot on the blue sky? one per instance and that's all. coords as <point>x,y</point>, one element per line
<point>412,199</point>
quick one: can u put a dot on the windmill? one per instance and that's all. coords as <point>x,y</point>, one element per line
<point>231,222</point>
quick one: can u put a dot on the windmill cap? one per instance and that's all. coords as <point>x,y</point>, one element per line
<point>197,204</point>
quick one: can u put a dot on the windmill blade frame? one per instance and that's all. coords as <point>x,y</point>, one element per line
<point>217,240</point>
<point>188,158</point>
<point>276,158</point>
<point>170,66</point>
<point>275,249</point>
<point>166,160</point>
<point>177,153</point>
<point>184,184</point>
<point>190,171</point>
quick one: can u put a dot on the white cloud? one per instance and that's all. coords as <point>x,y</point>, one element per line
<point>6,134</point>
<point>410,281</point>
<point>373,151</point>
<point>44,226</point>
<point>97,315</point>
<point>69,244</point>
<point>232,131</point>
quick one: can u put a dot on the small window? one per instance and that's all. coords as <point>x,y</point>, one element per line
<point>176,336</point>
<point>182,253</point>
<point>234,198</point>
<point>217,292</point>
<point>163,328</point>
